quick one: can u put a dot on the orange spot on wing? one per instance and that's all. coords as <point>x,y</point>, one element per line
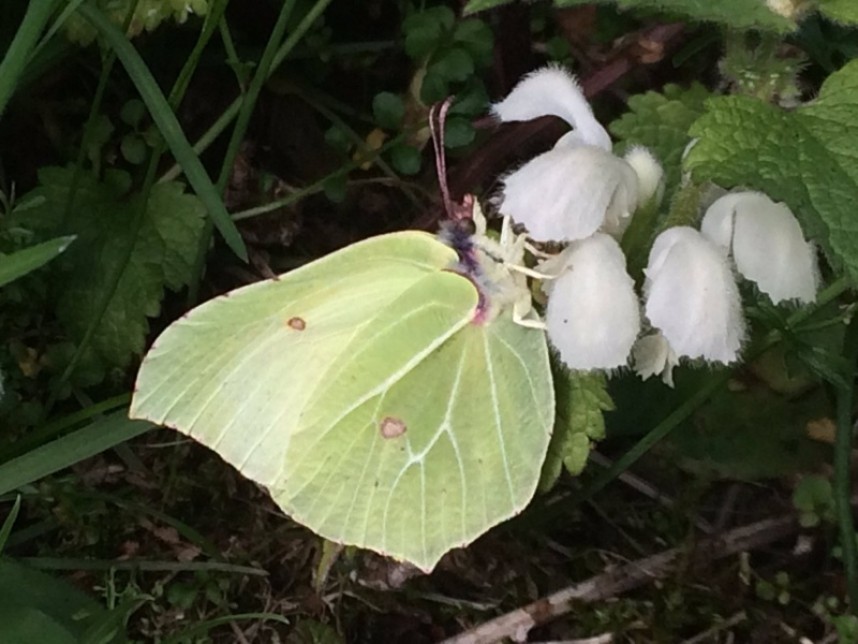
<point>391,427</point>
<point>296,323</point>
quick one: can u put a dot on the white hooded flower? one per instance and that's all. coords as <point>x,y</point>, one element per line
<point>692,297</point>
<point>578,187</point>
<point>767,245</point>
<point>593,315</point>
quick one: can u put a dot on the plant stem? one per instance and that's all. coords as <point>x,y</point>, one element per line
<point>272,56</point>
<point>842,457</point>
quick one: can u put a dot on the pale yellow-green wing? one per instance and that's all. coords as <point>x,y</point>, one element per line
<point>360,393</point>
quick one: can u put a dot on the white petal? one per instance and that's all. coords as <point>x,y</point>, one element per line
<point>692,298</point>
<point>568,193</point>
<point>768,245</point>
<point>653,355</point>
<point>553,91</point>
<point>649,172</point>
<point>593,314</point>
<point>719,220</point>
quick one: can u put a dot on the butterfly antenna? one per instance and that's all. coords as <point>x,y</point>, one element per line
<point>437,120</point>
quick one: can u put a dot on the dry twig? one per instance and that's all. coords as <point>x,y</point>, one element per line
<point>518,623</point>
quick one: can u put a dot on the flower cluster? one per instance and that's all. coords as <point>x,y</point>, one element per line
<point>581,194</point>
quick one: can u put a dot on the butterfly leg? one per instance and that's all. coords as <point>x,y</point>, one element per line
<point>520,309</point>
<point>524,270</point>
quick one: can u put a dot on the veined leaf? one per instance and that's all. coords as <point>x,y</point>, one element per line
<point>806,158</point>
<point>660,122</point>
<point>161,256</point>
<point>582,400</point>
<point>737,14</point>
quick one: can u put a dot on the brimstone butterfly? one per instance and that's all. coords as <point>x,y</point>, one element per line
<point>383,394</point>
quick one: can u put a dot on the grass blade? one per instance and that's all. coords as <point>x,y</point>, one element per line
<point>24,261</point>
<point>169,126</point>
<point>26,38</point>
<point>68,450</point>
<point>6,528</point>
<point>204,627</point>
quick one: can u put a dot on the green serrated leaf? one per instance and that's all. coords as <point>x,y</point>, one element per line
<point>582,398</point>
<point>806,158</point>
<point>162,254</point>
<point>845,11</point>
<point>737,14</point>
<point>660,121</point>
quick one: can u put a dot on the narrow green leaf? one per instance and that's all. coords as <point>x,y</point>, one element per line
<point>169,126</point>
<point>39,608</point>
<point>24,261</point>
<point>68,450</point>
<point>204,627</point>
<point>26,38</point>
<point>6,529</point>
<point>482,5</point>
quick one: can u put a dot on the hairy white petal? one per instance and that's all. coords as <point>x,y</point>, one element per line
<point>767,244</point>
<point>553,91</point>
<point>718,222</point>
<point>653,355</point>
<point>593,314</point>
<point>692,298</point>
<point>570,192</point>
<point>650,174</point>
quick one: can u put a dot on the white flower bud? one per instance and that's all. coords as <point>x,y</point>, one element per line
<point>593,314</point>
<point>649,172</point>
<point>692,297</point>
<point>767,245</point>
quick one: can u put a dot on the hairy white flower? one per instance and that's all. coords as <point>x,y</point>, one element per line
<point>653,355</point>
<point>578,187</point>
<point>570,192</point>
<point>692,297</point>
<point>766,243</point>
<point>553,91</point>
<point>593,314</point>
<point>649,172</point>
